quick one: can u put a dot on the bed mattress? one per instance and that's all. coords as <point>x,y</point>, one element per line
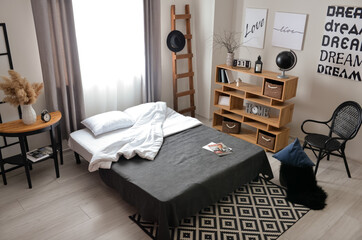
<point>184,177</point>
<point>86,144</point>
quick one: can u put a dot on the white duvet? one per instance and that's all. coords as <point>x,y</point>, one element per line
<point>153,122</point>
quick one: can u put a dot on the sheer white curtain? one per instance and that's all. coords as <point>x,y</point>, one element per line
<point>110,36</point>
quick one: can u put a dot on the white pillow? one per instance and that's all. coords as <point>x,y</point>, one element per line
<point>107,122</point>
<point>136,111</point>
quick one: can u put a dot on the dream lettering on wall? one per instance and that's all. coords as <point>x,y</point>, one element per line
<point>340,54</point>
<point>254,29</point>
<point>288,30</point>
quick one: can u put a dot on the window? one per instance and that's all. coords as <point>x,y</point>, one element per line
<point>110,37</point>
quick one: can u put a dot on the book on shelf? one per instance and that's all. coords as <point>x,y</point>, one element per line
<point>219,149</point>
<point>39,153</point>
<point>229,76</point>
<point>223,77</point>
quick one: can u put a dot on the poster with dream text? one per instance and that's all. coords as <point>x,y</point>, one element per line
<point>340,54</point>
<point>254,28</point>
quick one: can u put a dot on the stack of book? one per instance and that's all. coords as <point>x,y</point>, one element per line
<point>225,76</point>
<point>39,153</point>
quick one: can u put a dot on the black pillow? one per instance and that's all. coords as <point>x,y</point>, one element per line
<point>302,186</point>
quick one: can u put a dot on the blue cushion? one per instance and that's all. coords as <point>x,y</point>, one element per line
<point>294,155</point>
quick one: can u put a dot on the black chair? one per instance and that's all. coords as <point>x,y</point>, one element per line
<point>13,160</point>
<point>343,126</point>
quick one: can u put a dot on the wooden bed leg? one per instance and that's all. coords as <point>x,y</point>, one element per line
<point>77,159</point>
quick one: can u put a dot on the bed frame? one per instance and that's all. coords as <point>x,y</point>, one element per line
<point>184,178</point>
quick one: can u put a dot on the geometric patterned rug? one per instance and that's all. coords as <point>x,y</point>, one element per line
<point>257,210</point>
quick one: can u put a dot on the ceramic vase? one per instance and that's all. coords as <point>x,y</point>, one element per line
<point>229,59</point>
<point>29,115</point>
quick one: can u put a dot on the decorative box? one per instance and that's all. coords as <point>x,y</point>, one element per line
<point>230,127</point>
<point>266,140</point>
<point>273,89</point>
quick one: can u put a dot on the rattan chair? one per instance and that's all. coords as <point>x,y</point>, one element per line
<point>343,126</point>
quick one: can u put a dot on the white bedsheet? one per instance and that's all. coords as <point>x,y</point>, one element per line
<point>153,121</point>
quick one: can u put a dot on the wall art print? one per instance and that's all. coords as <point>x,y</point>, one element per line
<point>254,29</point>
<point>340,53</point>
<point>288,30</point>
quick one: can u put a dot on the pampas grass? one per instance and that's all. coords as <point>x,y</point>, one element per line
<point>18,91</point>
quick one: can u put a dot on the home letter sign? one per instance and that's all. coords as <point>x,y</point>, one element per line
<point>257,110</point>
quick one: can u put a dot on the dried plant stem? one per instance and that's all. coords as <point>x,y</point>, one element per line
<point>228,41</point>
<point>18,91</point>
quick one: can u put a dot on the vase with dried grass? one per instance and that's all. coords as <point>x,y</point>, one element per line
<point>230,42</point>
<point>18,91</point>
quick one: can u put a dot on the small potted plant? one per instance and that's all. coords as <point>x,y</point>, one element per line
<point>230,42</point>
<point>18,91</point>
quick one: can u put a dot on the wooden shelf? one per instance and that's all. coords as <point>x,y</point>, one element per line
<point>280,112</point>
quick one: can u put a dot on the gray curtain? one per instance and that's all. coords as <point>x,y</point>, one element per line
<point>54,24</point>
<point>152,18</point>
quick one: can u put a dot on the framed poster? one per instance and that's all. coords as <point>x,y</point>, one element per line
<point>288,30</point>
<point>254,28</point>
<point>341,50</point>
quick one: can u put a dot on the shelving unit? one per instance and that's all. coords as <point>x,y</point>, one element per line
<point>267,132</point>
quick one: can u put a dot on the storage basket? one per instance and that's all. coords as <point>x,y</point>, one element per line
<point>273,89</point>
<point>266,140</point>
<point>230,127</point>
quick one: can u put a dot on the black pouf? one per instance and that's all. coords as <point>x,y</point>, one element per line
<point>302,186</point>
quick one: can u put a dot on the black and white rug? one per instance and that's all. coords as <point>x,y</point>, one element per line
<point>257,210</point>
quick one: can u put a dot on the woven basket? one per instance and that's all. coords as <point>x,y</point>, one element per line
<point>266,140</point>
<point>273,89</point>
<point>230,127</point>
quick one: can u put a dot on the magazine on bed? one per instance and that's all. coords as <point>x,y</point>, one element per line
<point>219,149</point>
<point>39,153</point>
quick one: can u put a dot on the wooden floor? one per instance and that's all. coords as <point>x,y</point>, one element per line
<point>79,206</point>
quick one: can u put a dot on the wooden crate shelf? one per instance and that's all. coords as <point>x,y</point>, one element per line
<point>281,112</point>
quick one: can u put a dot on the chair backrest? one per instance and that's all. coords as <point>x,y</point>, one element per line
<point>5,142</point>
<point>347,119</point>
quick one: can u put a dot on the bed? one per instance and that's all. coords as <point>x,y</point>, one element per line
<point>183,178</point>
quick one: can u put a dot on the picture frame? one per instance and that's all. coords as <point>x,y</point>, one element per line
<point>224,100</point>
<point>288,30</point>
<point>254,28</point>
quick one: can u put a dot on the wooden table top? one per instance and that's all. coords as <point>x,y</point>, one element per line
<point>18,126</point>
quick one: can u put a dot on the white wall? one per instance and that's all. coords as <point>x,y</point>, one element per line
<point>317,95</point>
<point>18,17</point>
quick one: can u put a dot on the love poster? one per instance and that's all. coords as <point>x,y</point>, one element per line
<point>254,28</point>
<point>340,54</point>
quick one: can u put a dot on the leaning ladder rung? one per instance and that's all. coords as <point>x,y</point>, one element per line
<point>185,75</point>
<point>185,93</point>
<point>190,109</point>
<point>188,36</point>
<point>182,16</point>
<point>181,56</point>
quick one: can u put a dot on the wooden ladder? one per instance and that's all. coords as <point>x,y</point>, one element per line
<point>188,56</point>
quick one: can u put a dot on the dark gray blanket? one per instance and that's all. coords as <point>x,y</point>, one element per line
<point>184,177</point>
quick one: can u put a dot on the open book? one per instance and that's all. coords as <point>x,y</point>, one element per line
<point>219,149</point>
